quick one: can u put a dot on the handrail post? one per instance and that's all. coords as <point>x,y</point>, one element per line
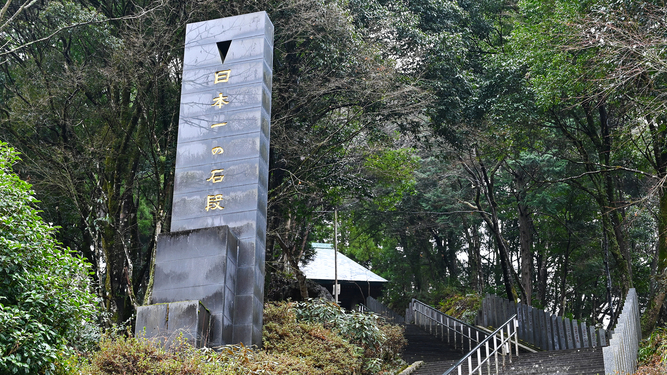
<point>455,335</point>
<point>495,351</point>
<point>448,329</point>
<point>516,336</point>
<point>431,323</point>
<point>502,344</point>
<point>442,330</point>
<point>488,363</point>
<point>509,340</point>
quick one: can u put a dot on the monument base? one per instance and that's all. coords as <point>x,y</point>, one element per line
<point>166,322</point>
<point>200,264</point>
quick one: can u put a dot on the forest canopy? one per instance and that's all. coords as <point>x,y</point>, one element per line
<point>510,147</point>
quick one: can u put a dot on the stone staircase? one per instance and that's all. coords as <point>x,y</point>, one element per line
<point>438,357</point>
<point>439,354</point>
<point>587,361</point>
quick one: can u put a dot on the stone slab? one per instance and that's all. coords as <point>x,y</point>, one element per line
<point>576,334</point>
<point>562,335</point>
<point>556,334</point>
<point>170,322</point>
<point>194,128</point>
<point>584,336</point>
<point>152,320</point>
<point>568,333</point>
<point>549,332</point>
<point>199,264</point>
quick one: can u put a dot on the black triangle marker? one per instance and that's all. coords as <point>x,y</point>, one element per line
<point>223,48</point>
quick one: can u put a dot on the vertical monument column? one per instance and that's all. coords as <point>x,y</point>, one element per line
<point>221,175</point>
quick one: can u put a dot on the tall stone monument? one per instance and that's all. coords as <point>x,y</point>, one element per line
<point>214,255</point>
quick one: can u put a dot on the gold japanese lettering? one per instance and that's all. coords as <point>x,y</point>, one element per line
<point>220,100</point>
<point>218,124</point>
<point>215,177</point>
<point>217,150</point>
<point>213,202</point>
<point>222,76</point>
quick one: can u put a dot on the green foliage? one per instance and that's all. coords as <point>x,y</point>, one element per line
<point>652,356</point>
<point>393,171</point>
<point>463,307</point>
<point>45,303</point>
<point>359,329</point>
<point>379,343</point>
<point>654,348</point>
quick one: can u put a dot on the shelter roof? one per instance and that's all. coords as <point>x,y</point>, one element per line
<point>322,267</point>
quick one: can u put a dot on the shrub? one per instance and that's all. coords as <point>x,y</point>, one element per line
<point>360,329</point>
<point>136,356</point>
<point>653,353</point>
<point>312,343</point>
<point>291,346</point>
<point>380,342</point>
<point>463,307</point>
<point>45,303</point>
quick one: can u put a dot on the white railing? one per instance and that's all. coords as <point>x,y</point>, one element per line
<point>444,326</point>
<point>500,341</point>
<point>620,357</point>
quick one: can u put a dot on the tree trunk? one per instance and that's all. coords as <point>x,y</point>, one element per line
<point>650,317</point>
<point>474,256</point>
<point>300,278</point>
<point>542,278</point>
<point>526,240</point>
<point>563,279</point>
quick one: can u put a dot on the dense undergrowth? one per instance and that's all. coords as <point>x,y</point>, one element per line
<point>653,354</point>
<point>315,337</point>
<point>461,306</point>
<point>457,302</point>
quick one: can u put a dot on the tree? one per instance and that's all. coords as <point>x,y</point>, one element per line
<point>45,297</point>
<point>337,105</point>
<point>630,61</point>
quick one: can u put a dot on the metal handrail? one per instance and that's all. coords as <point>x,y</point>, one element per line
<point>445,321</point>
<point>388,314</point>
<point>505,345</point>
<point>441,313</point>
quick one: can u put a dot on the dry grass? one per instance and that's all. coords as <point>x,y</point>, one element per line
<point>291,346</point>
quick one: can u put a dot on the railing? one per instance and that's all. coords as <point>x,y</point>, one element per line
<point>540,328</point>
<point>377,307</point>
<point>442,325</point>
<point>502,340</point>
<point>620,357</point>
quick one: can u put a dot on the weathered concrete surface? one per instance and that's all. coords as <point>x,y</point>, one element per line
<point>167,322</point>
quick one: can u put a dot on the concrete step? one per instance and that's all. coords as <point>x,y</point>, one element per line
<point>423,346</point>
<point>567,362</point>
<point>562,362</point>
<point>438,368</point>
